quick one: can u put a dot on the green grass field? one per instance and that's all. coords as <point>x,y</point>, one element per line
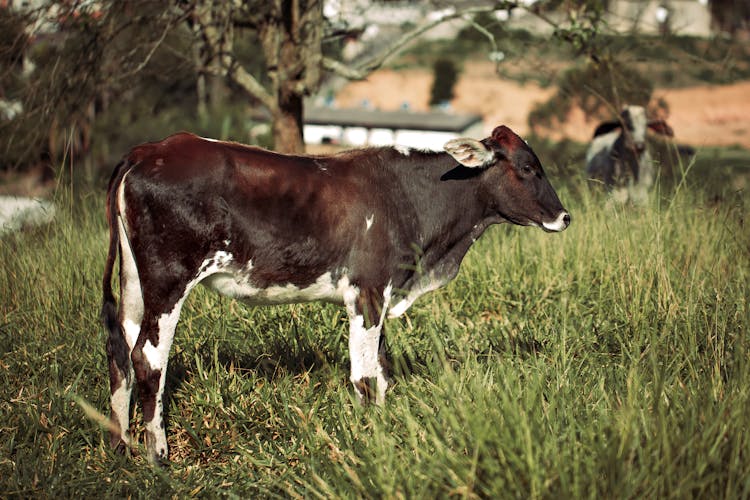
<point>612,360</point>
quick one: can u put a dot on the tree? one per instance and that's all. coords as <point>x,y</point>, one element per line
<point>65,62</point>
<point>109,44</point>
<point>292,35</point>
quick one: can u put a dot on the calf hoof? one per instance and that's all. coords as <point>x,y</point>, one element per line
<point>365,390</point>
<point>158,461</point>
<point>157,455</point>
<point>120,448</point>
<point>117,443</point>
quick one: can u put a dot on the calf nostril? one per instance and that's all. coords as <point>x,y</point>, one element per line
<point>566,219</point>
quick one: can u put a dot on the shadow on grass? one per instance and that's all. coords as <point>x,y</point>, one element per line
<point>417,364</point>
<point>272,360</point>
<point>294,354</point>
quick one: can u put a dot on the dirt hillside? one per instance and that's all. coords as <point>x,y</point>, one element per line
<point>711,115</point>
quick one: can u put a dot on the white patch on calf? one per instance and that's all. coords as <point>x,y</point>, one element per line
<point>646,177</point>
<point>239,285</point>
<point>558,224</point>
<point>639,122</point>
<point>425,285</point>
<point>638,191</point>
<point>404,150</point>
<point>350,300</point>
<point>131,298</point>
<point>402,305</point>
<point>601,143</point>
<point>131,329</point>
<point>368,221</point>
<point>120,402</point>
<point>363,352</point>
<point>157,356</point>
<point>364,344</point>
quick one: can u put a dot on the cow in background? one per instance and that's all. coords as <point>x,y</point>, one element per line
<point>618,155</point>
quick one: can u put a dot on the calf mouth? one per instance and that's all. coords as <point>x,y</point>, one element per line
<point>559,224</point>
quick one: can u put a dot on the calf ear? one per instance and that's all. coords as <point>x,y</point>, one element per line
<point>661,127</point>
<point>469,152</point>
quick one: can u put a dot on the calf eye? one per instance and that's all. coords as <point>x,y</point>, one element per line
<point>527,169</point>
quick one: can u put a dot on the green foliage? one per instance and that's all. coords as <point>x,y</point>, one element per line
<point>72,65</point>
<point>583,26</point>
<point>671,61</point>
<point>607,361</point>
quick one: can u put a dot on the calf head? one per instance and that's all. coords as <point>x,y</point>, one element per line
<point>513,184</point>
<point>634,124</point>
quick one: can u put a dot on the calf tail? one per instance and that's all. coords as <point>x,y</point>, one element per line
<point>109,305</point>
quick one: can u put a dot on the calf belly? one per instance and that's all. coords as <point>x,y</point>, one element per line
<point>239,286</point>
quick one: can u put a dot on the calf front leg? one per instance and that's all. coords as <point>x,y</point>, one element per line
<point>367,311</point>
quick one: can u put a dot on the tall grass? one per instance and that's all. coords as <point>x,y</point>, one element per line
<point>607,361</point>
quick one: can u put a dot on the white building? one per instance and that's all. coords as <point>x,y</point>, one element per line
<point>682,17</point>
<point>363,127</point>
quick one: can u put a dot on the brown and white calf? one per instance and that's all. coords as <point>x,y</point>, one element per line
<point>618,154</point>
<point>268,228</point>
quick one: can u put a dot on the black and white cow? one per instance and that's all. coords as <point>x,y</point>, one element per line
<point>268,228</point>
<point>618,155</point>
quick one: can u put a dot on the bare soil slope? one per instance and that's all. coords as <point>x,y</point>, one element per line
<point>711,115</point>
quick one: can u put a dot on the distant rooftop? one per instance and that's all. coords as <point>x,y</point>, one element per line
<point>367,118</point>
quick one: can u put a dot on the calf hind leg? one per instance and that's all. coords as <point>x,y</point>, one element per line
<point>150,356</point>
<point>121,387</point>
<point>124,329</point>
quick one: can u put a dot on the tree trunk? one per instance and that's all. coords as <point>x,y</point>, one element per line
<point>211,92</point>
<point>213,30</point>
<point>292,45</point>
<point>287,125</point>
<point>200,88</point>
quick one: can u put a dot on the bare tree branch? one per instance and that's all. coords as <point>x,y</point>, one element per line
<point>493,43</point>
<point>167,28</point>
<point>360,72</point>
<point>251,85</point>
